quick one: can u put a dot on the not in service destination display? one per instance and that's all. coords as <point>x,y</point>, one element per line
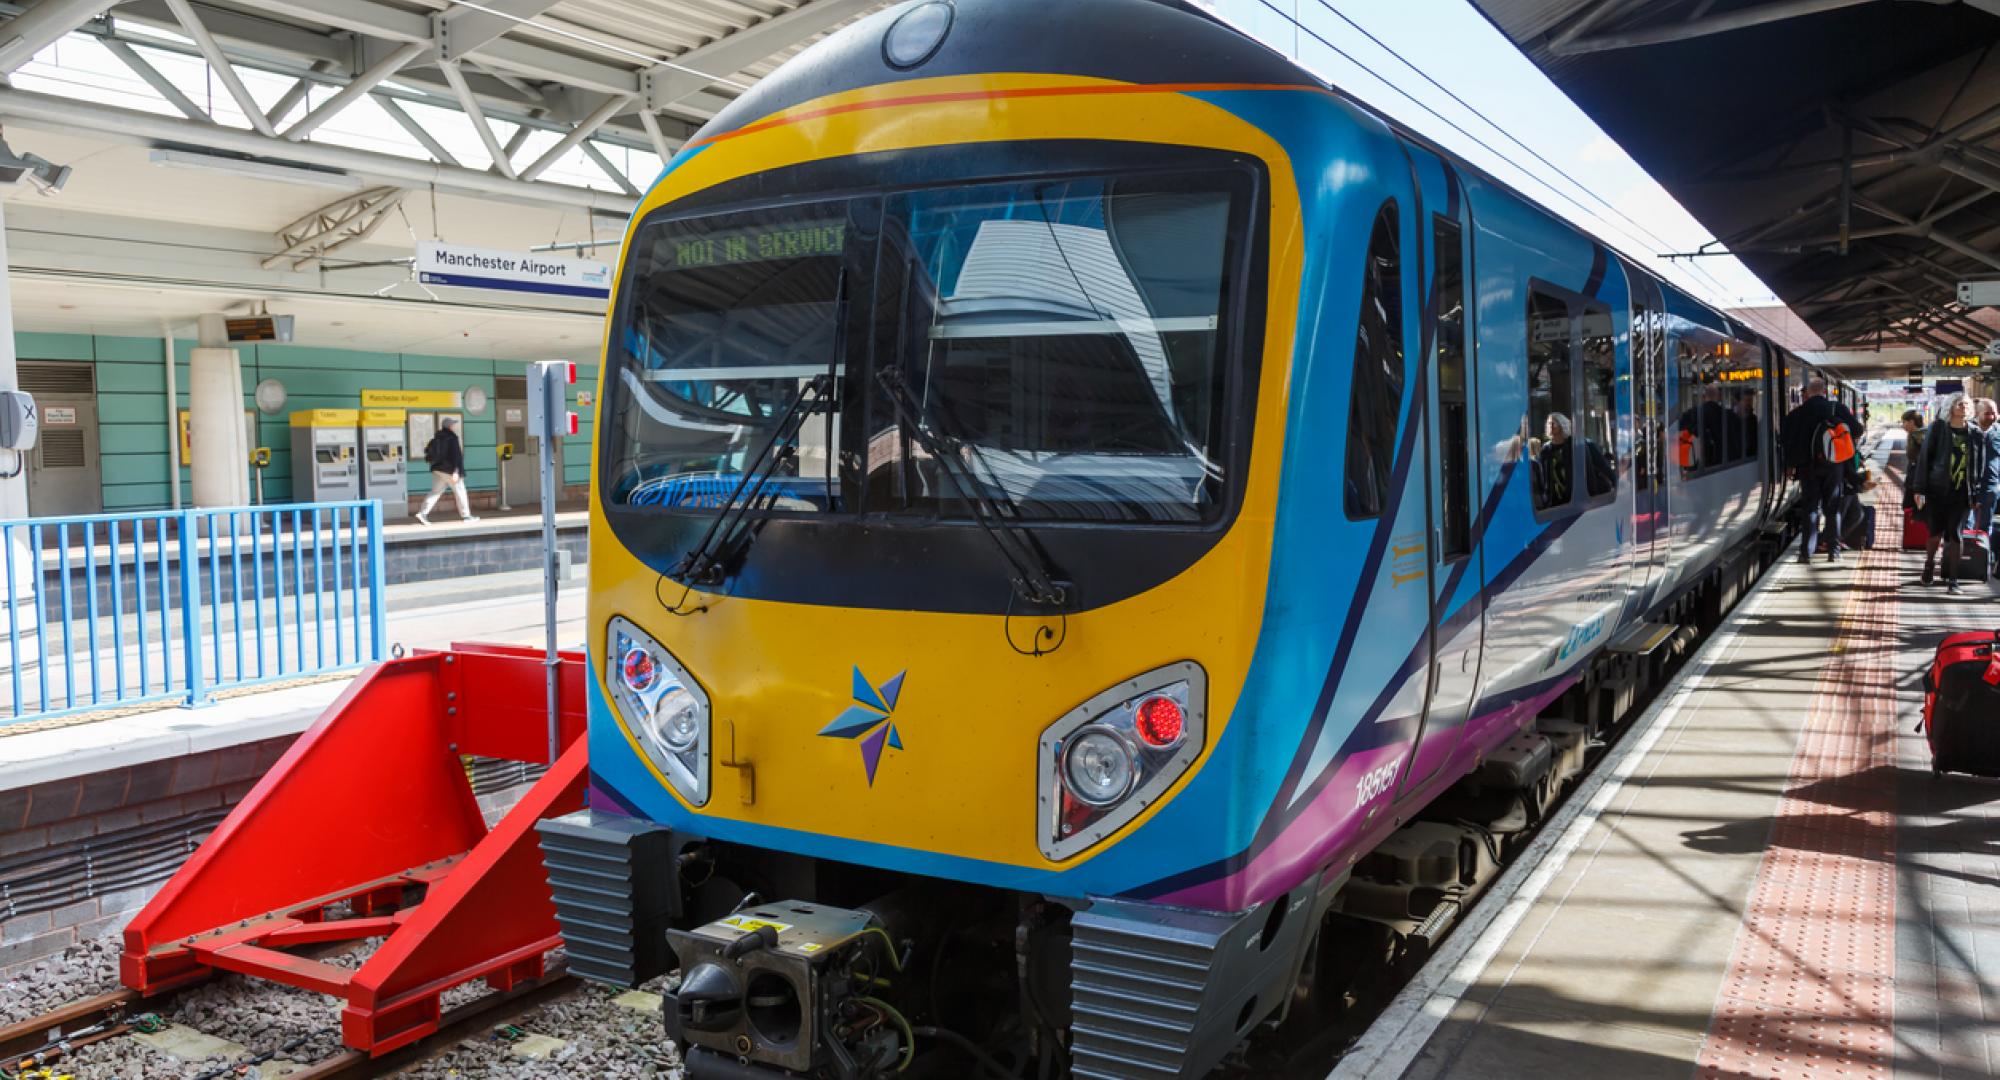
<point>484,268</point>
<point>761,245</point>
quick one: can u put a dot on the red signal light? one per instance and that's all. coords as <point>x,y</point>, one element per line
<point>1159,721</point>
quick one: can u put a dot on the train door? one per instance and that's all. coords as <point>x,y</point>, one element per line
<point>1451,458</point>
<point>1652,458</point>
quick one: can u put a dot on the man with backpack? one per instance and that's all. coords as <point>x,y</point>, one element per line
<point>1818,440</point>
<point>446,457</point>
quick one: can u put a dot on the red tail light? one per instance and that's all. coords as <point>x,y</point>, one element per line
<point>1159,721</point>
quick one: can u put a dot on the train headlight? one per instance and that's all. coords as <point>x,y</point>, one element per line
<point>1116,754</point>
<point>662,705</point>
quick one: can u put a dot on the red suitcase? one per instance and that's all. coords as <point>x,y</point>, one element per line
<point>1916,534</point>
<point>1962,705</point>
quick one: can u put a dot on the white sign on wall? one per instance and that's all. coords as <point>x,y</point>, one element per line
<point>58,415</point>
<point>485,268</point>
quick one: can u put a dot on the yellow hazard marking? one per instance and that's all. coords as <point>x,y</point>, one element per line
<point>749,925</point>
<point>810,947</point>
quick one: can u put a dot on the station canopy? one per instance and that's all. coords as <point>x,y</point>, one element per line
<point>1848,151</point>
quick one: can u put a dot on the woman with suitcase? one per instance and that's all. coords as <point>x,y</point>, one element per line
<point>1947,478</point>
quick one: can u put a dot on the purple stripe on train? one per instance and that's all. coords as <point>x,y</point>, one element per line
<point>1330,825</point>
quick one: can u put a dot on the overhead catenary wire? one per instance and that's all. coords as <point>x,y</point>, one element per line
<point>1629,237</point>
<point>1516,140</point>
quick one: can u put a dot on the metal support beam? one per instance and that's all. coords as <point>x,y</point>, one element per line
<point>338,224</point>
<point>1742,19</point>
<point>300,90</point>
<point>219,63</point>
<point>478,117</point>
<point>652,125</point>
<point>616,174</point>
<point>582,131</point>
<point>696,69</point>
<point>47,112</point>
<point>41,26</point>
<point>160,83</point>
<point>415,130</point>
<point>463,29</point>
<point>356,89</point>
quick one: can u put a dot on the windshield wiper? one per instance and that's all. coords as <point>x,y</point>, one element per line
<point>715,556</point>
<point>1034,578</point>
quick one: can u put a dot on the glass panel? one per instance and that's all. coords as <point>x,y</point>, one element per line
<point>728,318</point>
<point>1375,402</point>
<point>1700,426</point>
<point>1065,339</point>
<point>1549,407</point>
<point>1454,440</point>
<point>1743,385</point>
<point>1598,424</point>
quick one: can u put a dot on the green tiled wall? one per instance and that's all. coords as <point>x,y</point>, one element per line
<point>133,424</point>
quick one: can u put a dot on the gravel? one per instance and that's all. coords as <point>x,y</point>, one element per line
<point>600,1039</point>
<point>80,971</point>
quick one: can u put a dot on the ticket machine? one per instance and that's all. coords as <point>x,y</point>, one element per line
<point>384,473</point>
<point>326,458</point>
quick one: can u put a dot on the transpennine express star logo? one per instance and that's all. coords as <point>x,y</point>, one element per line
<point>871,719</point>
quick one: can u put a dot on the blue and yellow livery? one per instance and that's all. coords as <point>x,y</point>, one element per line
<point>1085,516</point>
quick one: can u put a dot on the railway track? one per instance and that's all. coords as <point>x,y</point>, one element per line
<point>54,1035</point>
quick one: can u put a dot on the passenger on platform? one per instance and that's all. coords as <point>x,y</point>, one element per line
<point>1913,447</point>
<point>446,457</point>
<point>1822,484</point>
<point>1948,477</point>
<point>1987,416</point>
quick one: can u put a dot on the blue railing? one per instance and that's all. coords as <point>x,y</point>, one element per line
<point>110,610</point>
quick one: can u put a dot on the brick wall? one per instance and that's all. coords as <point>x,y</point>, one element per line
<point>132,826</point>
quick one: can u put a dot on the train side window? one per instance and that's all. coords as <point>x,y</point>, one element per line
<point>1551,421</point>
<point>1698,447</point>
<point>1454,440</point>
<point>1375,402</point>
<point>1746,365</point>
<point>1597,427</point>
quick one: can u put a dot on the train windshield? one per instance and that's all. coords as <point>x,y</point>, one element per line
<point>1062,342</point>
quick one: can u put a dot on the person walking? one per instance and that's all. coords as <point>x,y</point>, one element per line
<point>1949,477</point>
<point>1808,439</point>
<point>1986,414</point>
<point>446,457</point>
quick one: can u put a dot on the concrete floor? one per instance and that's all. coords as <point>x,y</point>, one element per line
<point>1778,888</point>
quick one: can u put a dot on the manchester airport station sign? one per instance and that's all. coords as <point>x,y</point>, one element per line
<point>515,271</point>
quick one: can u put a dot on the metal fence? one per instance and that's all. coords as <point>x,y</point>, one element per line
<point>110,610</point>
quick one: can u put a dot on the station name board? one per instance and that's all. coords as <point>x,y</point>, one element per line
<point>761,245</point>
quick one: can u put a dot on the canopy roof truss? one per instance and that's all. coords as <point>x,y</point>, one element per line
<point>1848,151</point>
<point>599,74</point>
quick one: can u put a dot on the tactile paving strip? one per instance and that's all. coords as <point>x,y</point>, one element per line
<point>1810,989</point>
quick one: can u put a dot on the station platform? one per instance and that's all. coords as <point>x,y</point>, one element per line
<point>1762,879</point>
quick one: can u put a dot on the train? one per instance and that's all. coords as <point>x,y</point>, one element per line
<point>1098,538</point>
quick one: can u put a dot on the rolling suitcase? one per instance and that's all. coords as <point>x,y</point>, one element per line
<point>1975,556</point>
<point>1962,705</point>
<point>1916,534</point>
<point>1858,532</point>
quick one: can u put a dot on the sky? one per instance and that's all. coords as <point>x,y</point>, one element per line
<point>1524,116</point>
<point>1452,43</point>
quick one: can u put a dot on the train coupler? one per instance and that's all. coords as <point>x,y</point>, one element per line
<point>793,986</point>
